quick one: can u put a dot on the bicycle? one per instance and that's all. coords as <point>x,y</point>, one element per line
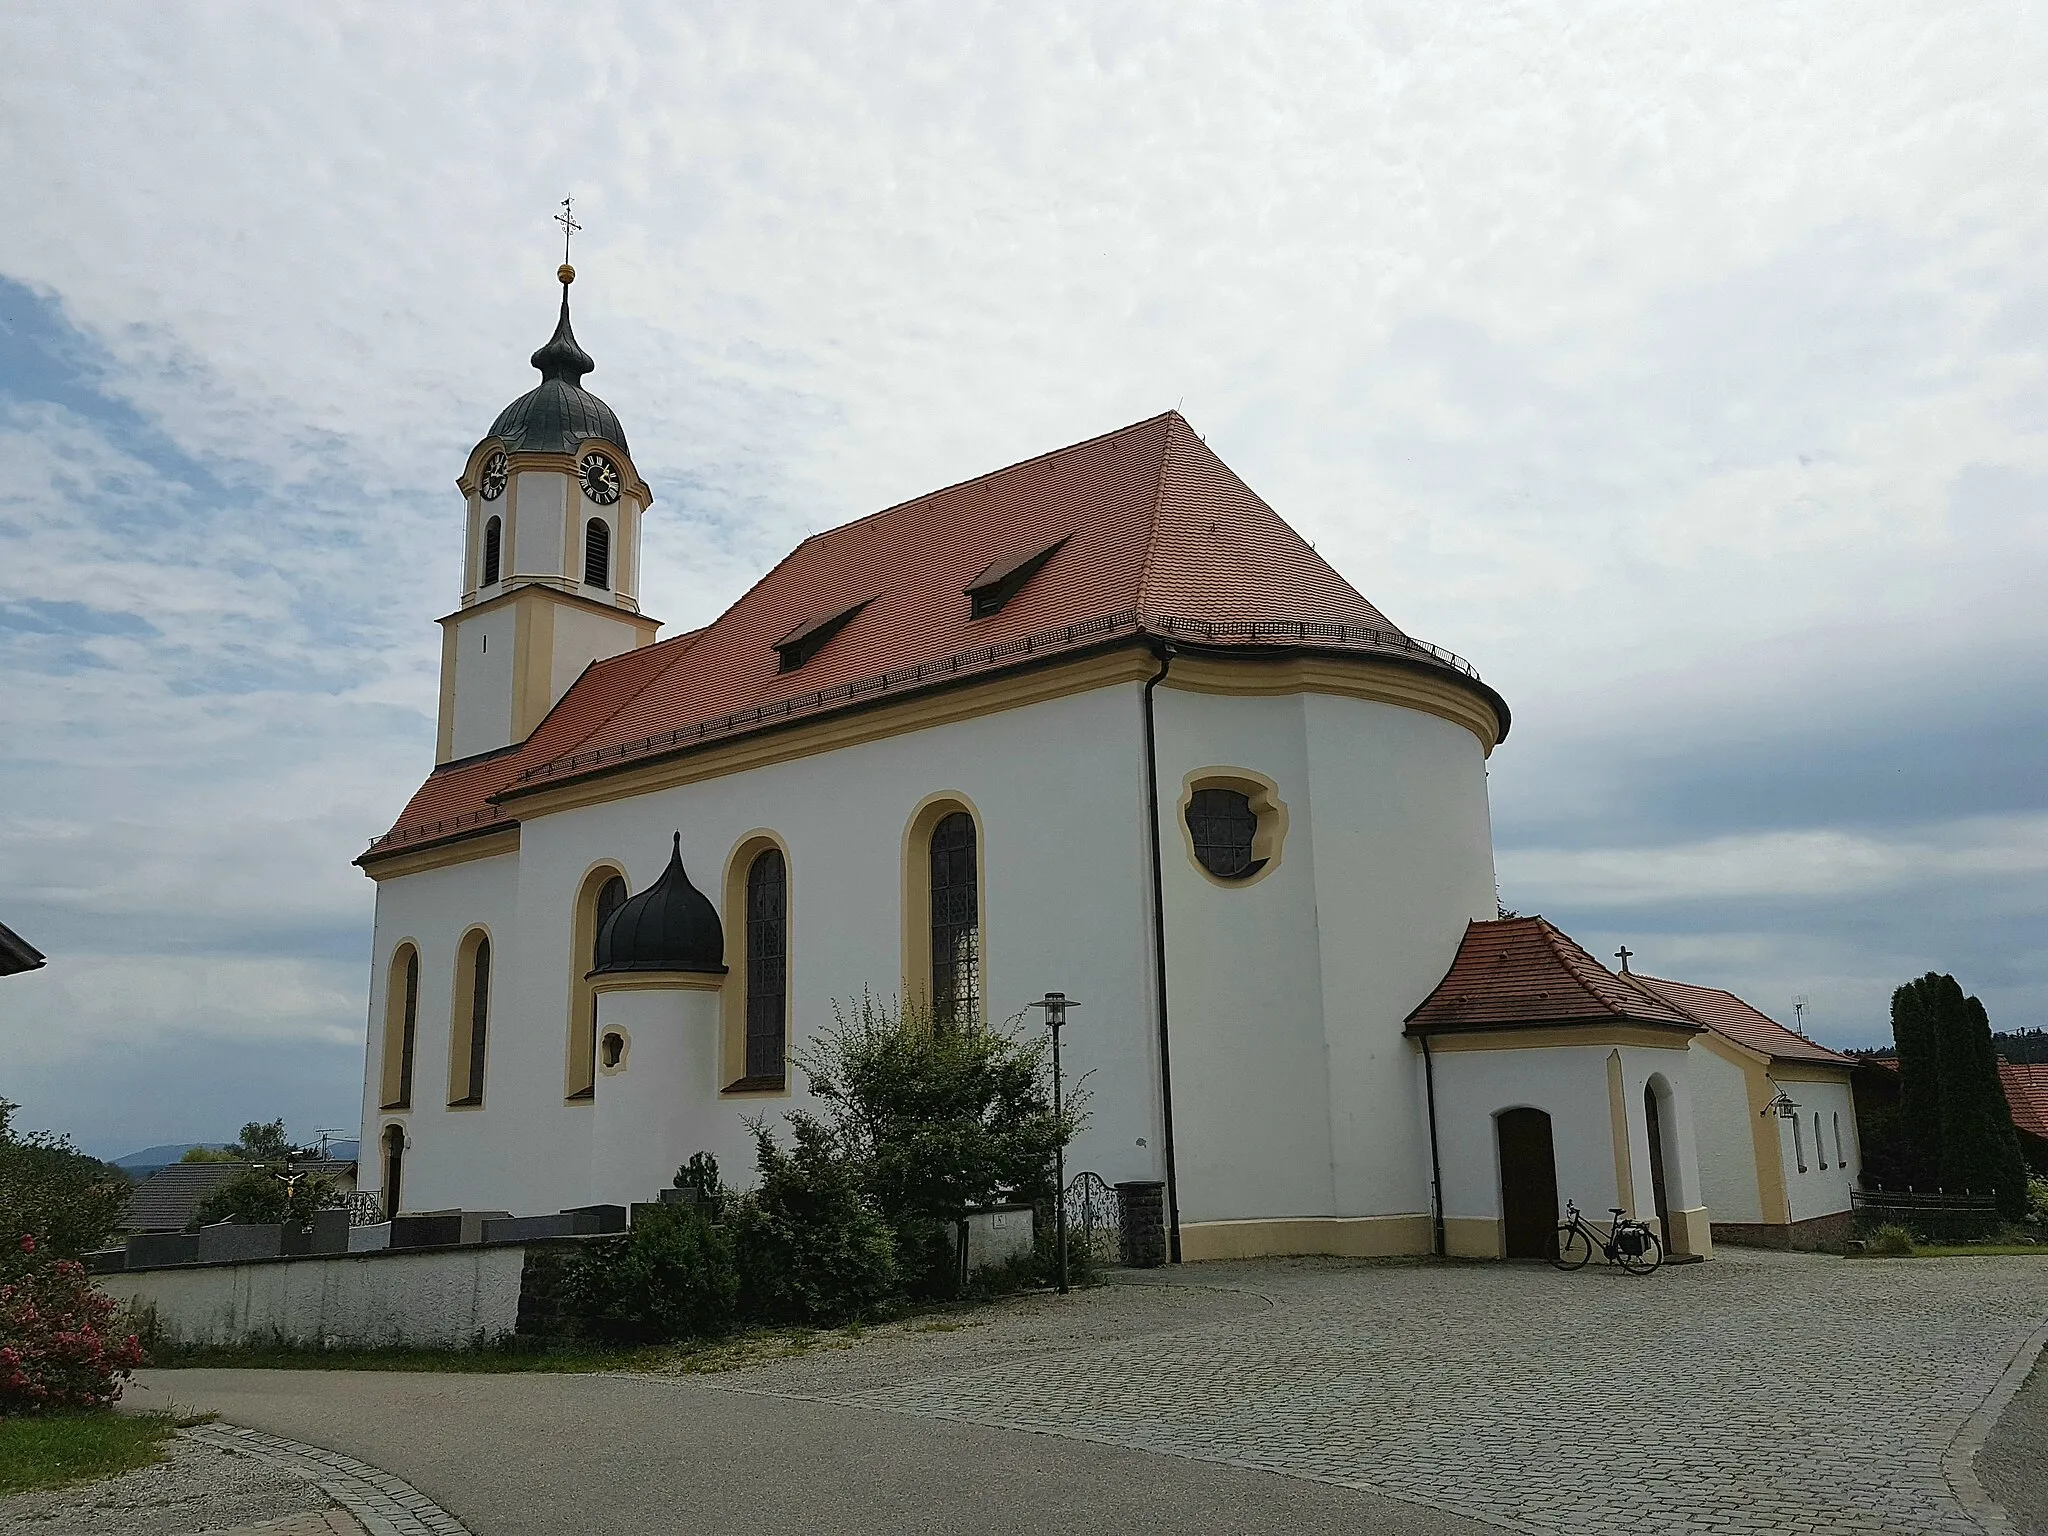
<point>1629,1243</point>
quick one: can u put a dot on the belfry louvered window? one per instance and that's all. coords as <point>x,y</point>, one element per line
<point>1224,825</point>
<point>494,541</point>
<point>597,553</point>
<point>956,922</point>
<point>767,964</point>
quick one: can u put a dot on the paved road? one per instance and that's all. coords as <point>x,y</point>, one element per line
<point>2014,1464</point>
<point>1758,1393</point>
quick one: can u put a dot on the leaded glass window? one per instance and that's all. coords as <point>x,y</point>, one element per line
<point>479,1020</point>
<point>410,1028</point>
<point>767,964</point>
<point>956,922</point>
<point>1223,824</point>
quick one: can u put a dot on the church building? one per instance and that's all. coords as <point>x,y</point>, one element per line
<point>1100,723</point>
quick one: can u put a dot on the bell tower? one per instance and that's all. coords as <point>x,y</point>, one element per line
<point>551,565</point>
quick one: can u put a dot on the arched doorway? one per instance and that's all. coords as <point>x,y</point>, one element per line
<point>1528,1183</point>
<point>1655,1113</point>
<point>394,1168</point>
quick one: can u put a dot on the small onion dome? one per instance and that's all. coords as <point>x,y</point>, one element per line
<point>558,414</point>
<point>667,927</point>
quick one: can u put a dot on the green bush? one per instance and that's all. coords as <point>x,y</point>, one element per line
<point>2037,1201</point>
<point>810,1246</point>
<point>936,1120</point>
<point>671,1278</point>
<point>49,1190</point>
<point>1892,1242</point>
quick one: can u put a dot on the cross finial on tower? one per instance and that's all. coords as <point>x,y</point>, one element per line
<point>567,219</point>
<point>1623,954</point>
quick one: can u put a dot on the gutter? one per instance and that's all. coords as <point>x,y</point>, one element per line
<point>1164,650</point>
<point>1436,1171</point>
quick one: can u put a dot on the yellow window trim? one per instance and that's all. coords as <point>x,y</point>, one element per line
<point>917,896</point>
<point>1268,840</point>
<point>732,1023</point>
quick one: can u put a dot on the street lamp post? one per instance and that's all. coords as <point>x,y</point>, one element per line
<point>1055,1006</point>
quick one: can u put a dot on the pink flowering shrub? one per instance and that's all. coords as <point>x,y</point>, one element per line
<point>56,1352</point>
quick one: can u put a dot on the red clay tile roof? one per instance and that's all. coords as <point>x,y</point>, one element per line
<point>1523,971</point>
<point>2026,1094</point>
<point>1160,538</point>
<point>1726,1014</point>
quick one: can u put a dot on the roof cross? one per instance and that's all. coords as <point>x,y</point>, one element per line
<point>1624,954</point>
<point>567,219</point>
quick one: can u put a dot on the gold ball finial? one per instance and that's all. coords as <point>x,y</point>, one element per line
<point>566,273</point>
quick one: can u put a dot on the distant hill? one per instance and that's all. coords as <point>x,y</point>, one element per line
<point>140,1165</point>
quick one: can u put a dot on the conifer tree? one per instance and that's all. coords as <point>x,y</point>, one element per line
<point>1980,1151</point>
<point>1913,1033</point>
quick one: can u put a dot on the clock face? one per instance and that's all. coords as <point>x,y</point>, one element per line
<point>600,479</point>
<point>494,475</point>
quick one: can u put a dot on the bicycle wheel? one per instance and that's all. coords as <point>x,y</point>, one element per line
<point>1642,1263</point>
<point>1572,1248</point>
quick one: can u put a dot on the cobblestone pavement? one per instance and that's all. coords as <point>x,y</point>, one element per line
<point>384,1505</point>
<point>1761,1392</point>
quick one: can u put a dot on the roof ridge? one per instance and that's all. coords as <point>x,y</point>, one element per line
<point>1552,933</point>
<point>1158,501</point>
<point>972,480</point>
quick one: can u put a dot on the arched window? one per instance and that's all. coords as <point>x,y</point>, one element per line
<point>401,1026</point>
<point>767,965</point>
<point>1840,1160</point>
<point>604,889</point>
<point>472,1021</point>
<point>956,922</point>
<point>597,553</point>
<point>394,1169</point>
<point>1798,1144</point>
<point>494,540</point>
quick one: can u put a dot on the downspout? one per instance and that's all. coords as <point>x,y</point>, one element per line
<point>1436,1171</point>
<point>1165,654</point>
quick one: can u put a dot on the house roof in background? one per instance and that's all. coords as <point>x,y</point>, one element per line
<point>167,1199</point>
<point>1155,536</point>
<point>2026,1094</point>
<point>1517,972</point>
<point>1729,1016</point>
<point>16,953</point>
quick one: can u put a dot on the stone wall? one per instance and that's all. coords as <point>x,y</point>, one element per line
<point>1829,1231</point>
<point>428,1297</point>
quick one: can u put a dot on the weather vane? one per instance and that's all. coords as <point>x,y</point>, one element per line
<point>567,219</point>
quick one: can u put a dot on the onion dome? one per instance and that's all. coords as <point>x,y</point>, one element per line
<point>559,413</point>
<point>670,926</point>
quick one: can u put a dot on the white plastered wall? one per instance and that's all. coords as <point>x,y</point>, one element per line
<point>542,504</point>
<point>1823,1188</point>
<point>1727,1145</point>
<point>485,646</point>
<point>582,636</point>
<point>1292,1093</point>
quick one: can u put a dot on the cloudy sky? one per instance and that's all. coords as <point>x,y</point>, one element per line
<point>1686,367</point>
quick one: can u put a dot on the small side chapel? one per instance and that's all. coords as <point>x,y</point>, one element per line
<point>1099,722</point>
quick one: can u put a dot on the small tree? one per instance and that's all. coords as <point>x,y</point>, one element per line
<point>263,1141</point>
<point>936,1120</point>
<point>1917,1154</point>
<point>49,1190</point>
<point>1952,1111</point>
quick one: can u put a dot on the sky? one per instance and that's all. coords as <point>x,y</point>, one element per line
<point>1685,367</point>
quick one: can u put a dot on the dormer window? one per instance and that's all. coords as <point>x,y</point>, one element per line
<point>1005,578</point>
<point>807,639</point>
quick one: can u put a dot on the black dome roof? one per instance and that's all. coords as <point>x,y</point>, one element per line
<point>558,413</point>
<point>670,926</point>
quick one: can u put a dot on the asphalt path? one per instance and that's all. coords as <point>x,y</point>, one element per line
<point>2013,1464</point>
<point>532,1453</point>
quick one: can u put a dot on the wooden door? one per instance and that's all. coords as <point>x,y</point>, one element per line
<point>1528,1183</point>
<point>1656,1126</point>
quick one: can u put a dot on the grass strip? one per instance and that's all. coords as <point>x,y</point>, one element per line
<point>51,1451</point>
